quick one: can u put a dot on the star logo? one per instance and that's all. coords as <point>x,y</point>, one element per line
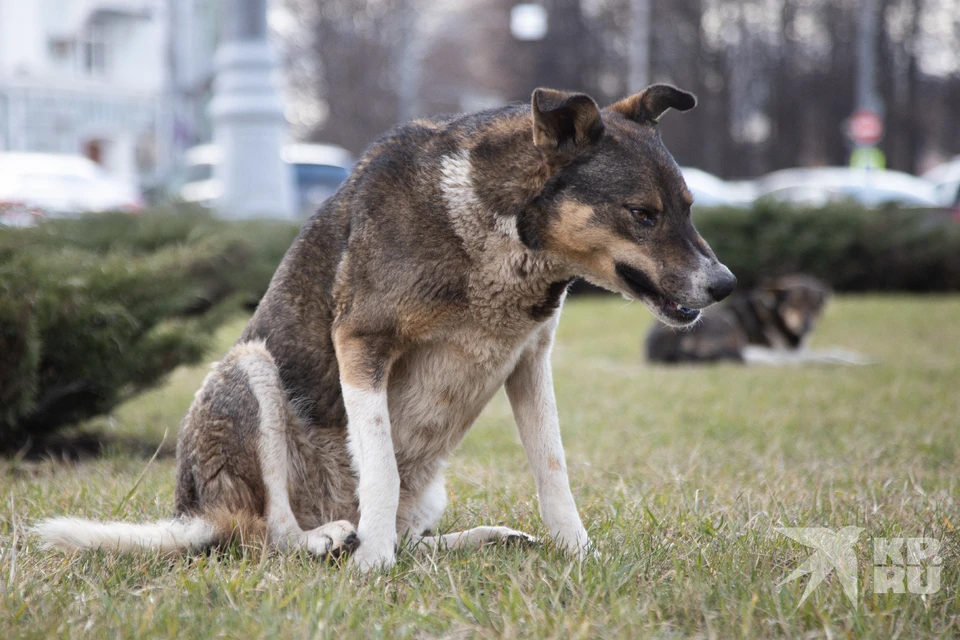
<point>834,551</point>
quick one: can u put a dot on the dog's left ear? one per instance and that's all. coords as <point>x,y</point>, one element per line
<point>565,124</point>
<point>648,105</point>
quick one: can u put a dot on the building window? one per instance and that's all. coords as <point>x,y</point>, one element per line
<point>61,49</point>
<point>95,50</point>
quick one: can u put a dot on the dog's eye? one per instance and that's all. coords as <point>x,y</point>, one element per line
<point>643,216</point>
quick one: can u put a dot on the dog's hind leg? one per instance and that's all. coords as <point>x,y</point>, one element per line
<point>476,538</point>
<point>423,516</point>
<point>418,517</point>
<point>276,463</point>
<point>235,466</point>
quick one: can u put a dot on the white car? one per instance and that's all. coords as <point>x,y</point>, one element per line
<point>37,185</point>
<point>946,181</point>
<point>318,170</point>
<point>868,187</point>
<point>710,191</point>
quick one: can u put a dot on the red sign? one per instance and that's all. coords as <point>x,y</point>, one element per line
<point>865,127</point>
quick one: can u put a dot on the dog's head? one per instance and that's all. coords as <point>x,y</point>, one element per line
<point>616,207</point>
<point>798,301</point>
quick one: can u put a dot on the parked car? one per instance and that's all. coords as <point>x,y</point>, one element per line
<point>318,171</point>
<point>36,185</point>
<point>711,191</point>
<point>946,182</point>
<point>868,187</point>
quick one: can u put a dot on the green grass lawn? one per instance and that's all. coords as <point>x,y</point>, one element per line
<point>682,477</point>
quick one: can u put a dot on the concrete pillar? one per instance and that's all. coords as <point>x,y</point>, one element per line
<point>248,119</point>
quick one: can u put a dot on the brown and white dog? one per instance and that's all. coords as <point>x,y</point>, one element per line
<point>431,279</point>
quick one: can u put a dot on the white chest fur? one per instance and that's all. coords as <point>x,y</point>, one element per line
<point>436,391</point>
<point>438,388</point>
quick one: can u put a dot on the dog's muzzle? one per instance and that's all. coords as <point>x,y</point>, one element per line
<point>667,309</point>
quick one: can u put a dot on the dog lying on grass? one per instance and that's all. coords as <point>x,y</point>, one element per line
<point>768,325</point>
<point>431,279</point>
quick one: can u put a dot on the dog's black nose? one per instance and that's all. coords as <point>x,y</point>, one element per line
<point>723,286</point>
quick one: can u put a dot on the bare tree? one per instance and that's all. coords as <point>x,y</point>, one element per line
<point>775,77</point>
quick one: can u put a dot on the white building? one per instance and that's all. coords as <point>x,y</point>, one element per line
<point>103,79</point>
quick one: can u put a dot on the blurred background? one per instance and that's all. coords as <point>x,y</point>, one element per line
<point>129,85</point>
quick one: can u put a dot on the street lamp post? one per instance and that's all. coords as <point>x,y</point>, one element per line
<point>639,67</point>
<point>865,126</point>
<point>249,126</point>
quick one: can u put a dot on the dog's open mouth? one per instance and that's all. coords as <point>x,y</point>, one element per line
<point>667,309</point>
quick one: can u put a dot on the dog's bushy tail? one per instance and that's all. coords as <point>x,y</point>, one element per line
<point>184,533</point>
<point>73,534</point>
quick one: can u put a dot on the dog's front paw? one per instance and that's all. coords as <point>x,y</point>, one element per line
<point>332,540</point>
<point>577,544</point>
<point>370,557</point>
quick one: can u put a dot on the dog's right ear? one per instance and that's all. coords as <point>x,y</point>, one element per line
<point>565,124</point>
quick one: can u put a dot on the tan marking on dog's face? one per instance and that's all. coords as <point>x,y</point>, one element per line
<point>801,300</point>
<point>794,319</point>
<point>622,217</point>
<point>577,237</point>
